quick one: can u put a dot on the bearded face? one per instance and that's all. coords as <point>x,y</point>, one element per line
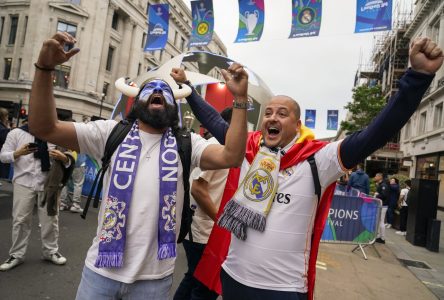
<point>156,106</point>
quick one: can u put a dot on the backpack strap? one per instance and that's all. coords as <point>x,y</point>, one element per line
<point>116,137</point>
<point>183,138</point>
<point>314,171</point>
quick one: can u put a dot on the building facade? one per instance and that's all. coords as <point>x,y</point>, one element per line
<point>422,138</point>
<point>111,36</point>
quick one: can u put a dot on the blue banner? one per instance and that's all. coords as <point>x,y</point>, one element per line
<point>310,118</point>
<point>203,22</point>
<point>352,219</point>
<point>91,169</point>
<point>332,119</point>
<point>373,15</point>
<point>251,20</point>
<point>158,17</point>
<point>306,18</point>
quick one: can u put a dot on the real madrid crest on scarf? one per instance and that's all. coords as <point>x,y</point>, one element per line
<point>254,197</point>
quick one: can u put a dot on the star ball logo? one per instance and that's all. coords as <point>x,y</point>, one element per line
<point>202,28</point>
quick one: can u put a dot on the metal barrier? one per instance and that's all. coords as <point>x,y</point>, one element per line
<point>353,219</point>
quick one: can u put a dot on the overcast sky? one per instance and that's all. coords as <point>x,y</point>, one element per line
<point>318,72</point>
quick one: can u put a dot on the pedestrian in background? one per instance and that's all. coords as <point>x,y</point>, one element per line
<point>359,180</point>
<point>393,200</point>
<point>31,160</point>
<point>404,208</point>
<point>382,193</point>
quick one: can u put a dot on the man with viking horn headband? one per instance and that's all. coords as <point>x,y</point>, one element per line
<point>269,204</point>
<point>133,253</point>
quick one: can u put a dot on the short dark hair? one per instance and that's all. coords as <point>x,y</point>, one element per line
<point>408,183</point>
<point>226,114</point>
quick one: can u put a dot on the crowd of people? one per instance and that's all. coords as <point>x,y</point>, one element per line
<point>257,224</point>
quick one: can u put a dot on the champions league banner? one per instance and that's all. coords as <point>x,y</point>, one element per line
<point>352,219</point>
<point>332,120</point>
<point>373,15</point>
<point>310,118</point>
<point>306,18</point>
<point>158,17</point>
<point>91,169</point>
<point>251,20</point>
<point>203,23</point>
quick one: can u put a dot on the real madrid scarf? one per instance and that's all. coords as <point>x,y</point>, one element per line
<point>113,233</point>
<point>252,201</point>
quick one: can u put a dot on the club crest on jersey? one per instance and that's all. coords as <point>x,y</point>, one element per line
<point>287,172</point>
<point>259,184</point>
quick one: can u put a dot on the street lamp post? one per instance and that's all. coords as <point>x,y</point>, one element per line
<point>99,97</point>
<point>102,98</point>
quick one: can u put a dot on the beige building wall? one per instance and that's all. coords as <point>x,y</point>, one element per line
<point>88,74</point>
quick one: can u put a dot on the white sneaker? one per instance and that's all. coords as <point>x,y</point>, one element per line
<point>63,207</point>
<point>388,226</point>
<point>76,209</point>
<point>401,232</point>
<point>56,258</point>
<point>10,263</point>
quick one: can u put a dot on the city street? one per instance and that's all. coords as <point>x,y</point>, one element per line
<point>341,273</point>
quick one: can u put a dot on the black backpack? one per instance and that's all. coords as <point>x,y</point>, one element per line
<point>116,137</point>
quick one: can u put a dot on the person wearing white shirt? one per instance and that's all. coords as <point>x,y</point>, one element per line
<point>403,205</point>
<point>28,182</point>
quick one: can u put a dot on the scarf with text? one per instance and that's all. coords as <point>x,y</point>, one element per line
<point>113,233</point>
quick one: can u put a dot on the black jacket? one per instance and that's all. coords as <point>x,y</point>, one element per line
<point>383,192</point>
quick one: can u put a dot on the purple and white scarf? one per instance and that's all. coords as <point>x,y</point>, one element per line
<point>113,232</point>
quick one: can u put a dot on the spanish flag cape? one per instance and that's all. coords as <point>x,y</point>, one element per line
<point>209,267</point>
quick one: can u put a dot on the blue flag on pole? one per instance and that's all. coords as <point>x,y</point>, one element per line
<point>332,120</point>
<point>251,20</point>
<point>306,18</point>
<point>373,15</point>
<point>203,22</point>
<point>310,118</point>
<point>158,17</point>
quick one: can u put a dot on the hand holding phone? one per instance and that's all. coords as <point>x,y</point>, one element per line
<point>32,146</point>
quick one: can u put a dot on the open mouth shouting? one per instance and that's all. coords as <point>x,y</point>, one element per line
<point>273,132</point>
<point>156,101</point>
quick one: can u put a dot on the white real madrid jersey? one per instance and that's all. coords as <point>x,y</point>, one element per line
<point>277,259</point>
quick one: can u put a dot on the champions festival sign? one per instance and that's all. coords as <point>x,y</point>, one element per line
<point>306,18</point>
<point>203,23</point>
<point>373,15</point>
<point>352,219</point>
<point>158,17</point>
<point>251,20</point>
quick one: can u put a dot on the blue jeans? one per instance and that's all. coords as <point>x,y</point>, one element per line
<point>233,290</point>
<point>190,288</point>
<point>97,287</point>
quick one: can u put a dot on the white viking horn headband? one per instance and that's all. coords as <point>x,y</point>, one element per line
<point>133,91</point>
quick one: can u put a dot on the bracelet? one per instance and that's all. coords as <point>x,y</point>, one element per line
<point>240,105</point>
<point>43,69</point>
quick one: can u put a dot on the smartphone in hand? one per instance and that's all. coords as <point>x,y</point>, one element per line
<point>33,146</point>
